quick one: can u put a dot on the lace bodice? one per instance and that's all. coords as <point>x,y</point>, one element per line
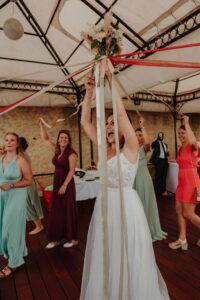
<point>128,172</point>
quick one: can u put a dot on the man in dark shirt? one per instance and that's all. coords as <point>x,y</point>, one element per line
<point>160,160</point>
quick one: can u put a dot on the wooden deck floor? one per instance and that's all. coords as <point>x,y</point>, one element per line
<point>56,274</point>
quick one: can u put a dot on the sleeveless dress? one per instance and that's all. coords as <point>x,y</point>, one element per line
<point>188,178</point>
<point>12,216</point>
<point>144,187</point>
<point>62,221</point>
<point>34,208</point>
<point>146,282</point>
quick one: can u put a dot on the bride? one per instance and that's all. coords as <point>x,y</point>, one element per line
<point>142,279</point>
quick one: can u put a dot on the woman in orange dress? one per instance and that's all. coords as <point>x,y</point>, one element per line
<point>188,180</point>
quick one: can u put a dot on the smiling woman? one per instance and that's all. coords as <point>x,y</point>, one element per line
<point>15,175</point>
<point>62,222</point>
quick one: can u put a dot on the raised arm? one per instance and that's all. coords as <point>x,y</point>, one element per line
<point>86,122</point>
<point>146,139</point>
<point>190,135</point>
<point>45,137</point>
<point>126,128</point>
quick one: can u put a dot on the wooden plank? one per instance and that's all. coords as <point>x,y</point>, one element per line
<point>48,276</point>
<point>56,273</point>
<point>35,278</point>
<point>22,285</point>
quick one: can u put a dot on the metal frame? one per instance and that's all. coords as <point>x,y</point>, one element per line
<point>175,32</point>
<point>57,6</point>
<point>4,4</point>
<point>120,21</point>
<point>172,34</point>
<point>34,86</point>
<point>26,33</point>
<point>98,13</point>
<point>28,61</point>
<point>31,20</point>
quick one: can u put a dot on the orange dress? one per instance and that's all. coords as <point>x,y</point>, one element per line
<point>188,178</point>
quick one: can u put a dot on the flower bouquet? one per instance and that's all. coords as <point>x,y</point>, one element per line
<point>103,40</point>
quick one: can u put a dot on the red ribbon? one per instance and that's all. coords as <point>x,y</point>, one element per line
<point>155,63</point>
<point>139,62</point>
<point>159,50</point>
<point>16,104</point>
<point>2,109</point>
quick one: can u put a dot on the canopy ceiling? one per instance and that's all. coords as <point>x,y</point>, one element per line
<point>51,45</point>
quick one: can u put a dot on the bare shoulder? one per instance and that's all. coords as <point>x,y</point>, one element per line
<point>73,155</point>
<point>22,161</point>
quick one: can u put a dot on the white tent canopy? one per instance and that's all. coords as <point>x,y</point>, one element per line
<point>52,40</point>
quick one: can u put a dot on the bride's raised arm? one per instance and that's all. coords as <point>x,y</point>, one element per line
<point>131,145</point>
<point>86,122</point>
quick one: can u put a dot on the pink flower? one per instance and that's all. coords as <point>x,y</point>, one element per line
<point>100,35</point>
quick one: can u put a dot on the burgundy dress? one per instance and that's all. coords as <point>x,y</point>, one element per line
<point>62,222</point>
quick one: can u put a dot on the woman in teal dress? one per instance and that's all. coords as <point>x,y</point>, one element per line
<point>15,175</point>
<point>144,186</point>
<point>34,208</point>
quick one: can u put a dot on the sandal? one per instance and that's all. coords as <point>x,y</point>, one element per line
<point>183,244</point>
<point>7,271</point>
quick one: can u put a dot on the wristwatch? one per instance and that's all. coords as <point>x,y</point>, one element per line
<point>12,185</point>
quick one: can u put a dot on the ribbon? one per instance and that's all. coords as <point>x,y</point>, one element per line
<point>32,96</point>
<point>159,50</point>
<point>155,63</point>
<point>124,235</point>
<point>102,147</point>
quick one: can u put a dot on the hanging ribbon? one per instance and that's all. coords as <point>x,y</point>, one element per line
<point>102,154</point>
<point>124,234</point>
<point>32,96</point>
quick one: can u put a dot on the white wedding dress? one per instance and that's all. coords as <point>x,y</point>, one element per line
<point>145,280</point>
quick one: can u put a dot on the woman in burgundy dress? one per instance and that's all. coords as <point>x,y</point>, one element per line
<point>62,222</point>
<point>188,180</point>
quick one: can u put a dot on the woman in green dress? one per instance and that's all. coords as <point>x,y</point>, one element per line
<point>144,186</point>
<point>34,208</point>
<point>15,176</point>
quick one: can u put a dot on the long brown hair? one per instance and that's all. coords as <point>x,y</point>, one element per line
<point>69,146</point>
<point>17,139</point>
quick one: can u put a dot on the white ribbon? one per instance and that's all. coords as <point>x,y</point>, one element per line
<point>102,147</point>
<point>124,235</point>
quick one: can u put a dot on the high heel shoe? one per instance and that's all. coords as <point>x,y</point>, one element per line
<point>183,244</point>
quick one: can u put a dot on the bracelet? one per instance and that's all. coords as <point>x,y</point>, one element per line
<point>12,185</point>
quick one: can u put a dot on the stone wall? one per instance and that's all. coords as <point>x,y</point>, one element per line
<point>23,121</point>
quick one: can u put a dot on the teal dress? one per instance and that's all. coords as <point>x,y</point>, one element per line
<point>12,216</point>
<point>144,186</point>
<point>34,208</point>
